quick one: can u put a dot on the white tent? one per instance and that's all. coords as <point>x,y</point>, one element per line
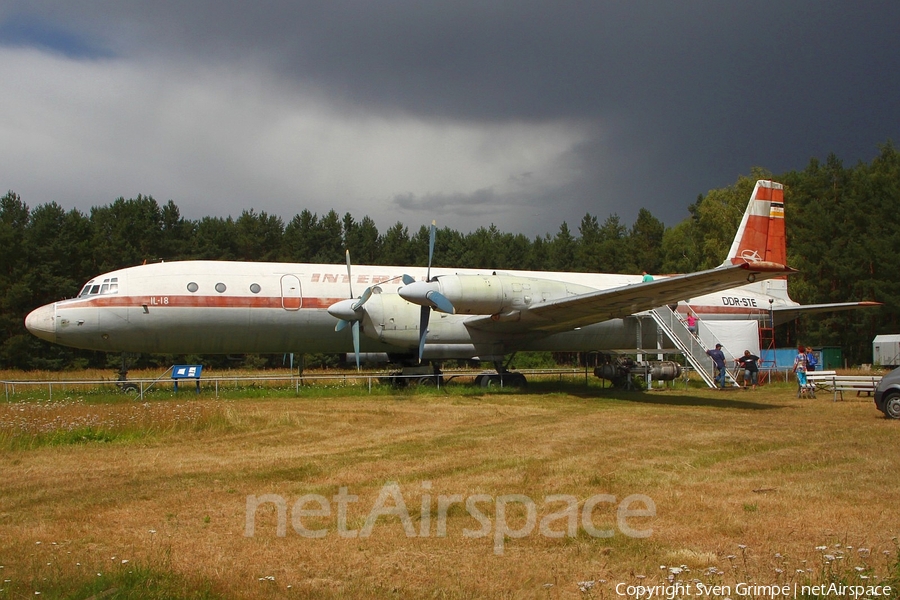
<point>735,337</point>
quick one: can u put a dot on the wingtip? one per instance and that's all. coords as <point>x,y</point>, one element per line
<point>768,267</point>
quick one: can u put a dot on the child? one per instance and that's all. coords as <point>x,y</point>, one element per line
<point>811,362</point>
<point>804,388</point>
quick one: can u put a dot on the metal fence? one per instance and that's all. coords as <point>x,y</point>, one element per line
<point>139,387</point>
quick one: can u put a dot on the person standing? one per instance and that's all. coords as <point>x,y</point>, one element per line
<point>692,323</point>
<point>718,358</point>
<point>811,362</point>
<point>800,369</point>
<point>647,277</point>
<point>800,359</point>
<point>750,364</point>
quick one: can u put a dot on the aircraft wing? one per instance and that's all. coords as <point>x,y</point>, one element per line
<point>585,309</point>
<point>789,313</point>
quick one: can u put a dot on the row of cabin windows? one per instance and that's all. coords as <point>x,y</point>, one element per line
<point>110,285</point>
<point>220,287</point>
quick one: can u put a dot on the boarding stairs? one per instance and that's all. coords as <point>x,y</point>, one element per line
<point>676,329</point>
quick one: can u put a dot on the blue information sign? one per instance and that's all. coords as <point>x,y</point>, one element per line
<point>187,372</point>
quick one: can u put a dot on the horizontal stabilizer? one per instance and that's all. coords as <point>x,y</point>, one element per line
<point>785,314</point>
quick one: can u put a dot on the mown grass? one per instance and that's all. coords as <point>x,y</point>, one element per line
<point>748,486</point>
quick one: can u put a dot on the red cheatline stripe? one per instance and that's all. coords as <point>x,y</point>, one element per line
<point>163,301</point>
<point>308,303</point>
<point>728,310</point>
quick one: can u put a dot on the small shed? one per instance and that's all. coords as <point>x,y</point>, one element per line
<point>886,350</point>
<point>829,357</point>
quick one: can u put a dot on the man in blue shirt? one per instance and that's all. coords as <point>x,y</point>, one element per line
<point>719,361</point>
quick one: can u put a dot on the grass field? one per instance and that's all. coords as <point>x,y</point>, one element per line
<point>563,491</point>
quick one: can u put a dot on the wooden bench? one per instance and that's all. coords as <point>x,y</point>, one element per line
<point>838,384</point>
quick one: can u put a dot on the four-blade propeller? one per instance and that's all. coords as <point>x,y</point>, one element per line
<point>350,311</point>
<point>424,293</point>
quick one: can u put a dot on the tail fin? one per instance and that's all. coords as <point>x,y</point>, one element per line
<point>761,238</point>
<point>761,234</point>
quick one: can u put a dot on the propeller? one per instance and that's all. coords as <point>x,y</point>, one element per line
<point>350,311</point>
<point>426,294</point>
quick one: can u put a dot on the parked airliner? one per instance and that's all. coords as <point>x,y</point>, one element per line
<point>217,307</point>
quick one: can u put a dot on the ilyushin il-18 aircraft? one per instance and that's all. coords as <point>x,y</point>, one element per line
<point>424,313</point>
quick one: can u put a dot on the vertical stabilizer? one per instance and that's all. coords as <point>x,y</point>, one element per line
<point>761,234</point>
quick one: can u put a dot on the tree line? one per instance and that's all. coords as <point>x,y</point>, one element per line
<point>842,229</point>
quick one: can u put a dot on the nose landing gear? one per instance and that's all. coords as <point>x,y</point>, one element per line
<point>125,386</point>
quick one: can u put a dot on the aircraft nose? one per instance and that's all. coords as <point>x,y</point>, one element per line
<point>42,322</point>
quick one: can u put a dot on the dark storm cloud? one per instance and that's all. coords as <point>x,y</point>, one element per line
<point>538,60</point>
<point>673,98</point>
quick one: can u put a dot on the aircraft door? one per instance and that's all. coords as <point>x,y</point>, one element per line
<point>291,298</point>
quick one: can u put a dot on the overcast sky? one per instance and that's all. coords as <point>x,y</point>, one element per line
<point>520,114</point>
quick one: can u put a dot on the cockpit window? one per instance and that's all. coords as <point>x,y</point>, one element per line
<point>109,285</point>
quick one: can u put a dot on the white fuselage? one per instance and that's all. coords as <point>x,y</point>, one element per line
<point>216,307</point>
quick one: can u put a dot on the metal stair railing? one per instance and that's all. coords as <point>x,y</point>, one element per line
<point>690,345</point>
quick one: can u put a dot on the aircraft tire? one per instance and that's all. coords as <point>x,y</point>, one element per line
<point>516,380</point>
<point>131,389</point>
<point>489,381</point>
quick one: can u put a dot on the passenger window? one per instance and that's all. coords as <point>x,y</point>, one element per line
<point>193,287</point>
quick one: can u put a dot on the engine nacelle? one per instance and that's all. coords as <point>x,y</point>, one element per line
<point>619,370</point>
<point>665,370</point>
<point>391,319</point>
<point>489,294</point>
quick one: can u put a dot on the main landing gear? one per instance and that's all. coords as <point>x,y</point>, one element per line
<point>430,375</point>
<point>424,375</point>
<point>502,378</point>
